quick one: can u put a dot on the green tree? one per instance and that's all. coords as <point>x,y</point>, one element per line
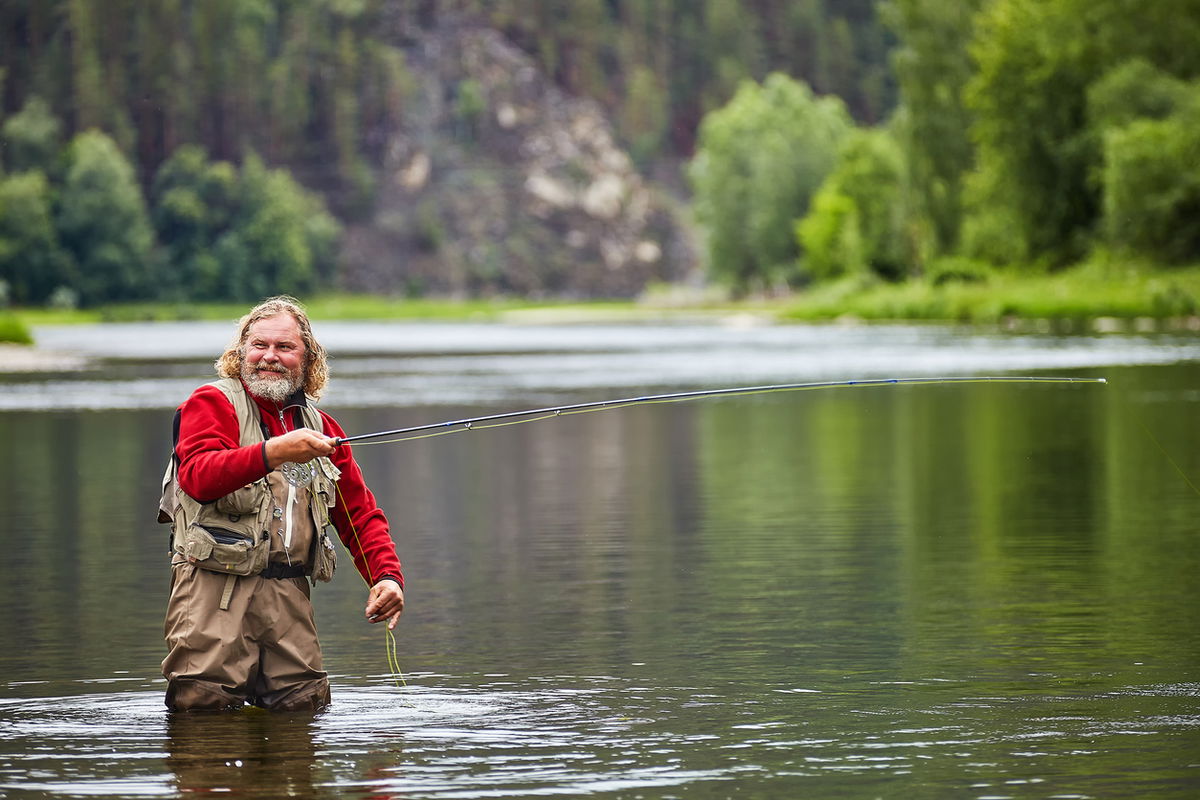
<point>831,235</point>
<point>32,261</point>
<point>1034,194</point>
<point>103,223</point>
<point>932,68</point>
<point>644,114</point>
<point>1144,119</point>
<point>1134,89</point>
<point>759,161</point>
<point>1151,184</point>
<point>31,138</point>
<point>282,239</point>
<point>858,221</point>
<point>193,204</point>
<point>1027,99</point>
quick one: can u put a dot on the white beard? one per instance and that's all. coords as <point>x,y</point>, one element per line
<point>277,387</point>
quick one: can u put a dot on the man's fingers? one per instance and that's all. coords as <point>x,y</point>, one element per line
<point>386,601</point>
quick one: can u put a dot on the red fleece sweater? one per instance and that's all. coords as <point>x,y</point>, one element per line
<point>212,464</point>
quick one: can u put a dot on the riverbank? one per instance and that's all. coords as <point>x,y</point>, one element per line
<point>1099,297</point>
<point>29,358</point>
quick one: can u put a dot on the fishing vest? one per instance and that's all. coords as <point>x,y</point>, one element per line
<point>230,534</point>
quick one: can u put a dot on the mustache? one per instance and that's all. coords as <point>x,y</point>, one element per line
<point>271,368</point>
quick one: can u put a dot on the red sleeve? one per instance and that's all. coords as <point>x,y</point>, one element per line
<point>360,522</point>
<point>211,463</point>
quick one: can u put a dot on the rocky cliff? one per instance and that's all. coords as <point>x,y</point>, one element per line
<point>498,183</point>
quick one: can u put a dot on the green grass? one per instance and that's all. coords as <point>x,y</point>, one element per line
<point>1102,289</point>
<point>329,306</point>
<point>1087,292</point>
<point>12,329</point>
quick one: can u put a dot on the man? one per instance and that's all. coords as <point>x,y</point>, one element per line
<point>255,478</point>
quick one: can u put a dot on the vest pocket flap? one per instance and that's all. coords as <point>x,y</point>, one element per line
<point>246,500</point>
<point>197,549</point>
<point>327,467</point>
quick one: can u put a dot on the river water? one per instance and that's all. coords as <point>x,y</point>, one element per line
<point>948,590</point>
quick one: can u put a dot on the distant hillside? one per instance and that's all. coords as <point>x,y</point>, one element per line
<point>497,181</point>
<point>466,146</point>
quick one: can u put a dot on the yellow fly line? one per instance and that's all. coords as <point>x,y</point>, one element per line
<point>392,658</point>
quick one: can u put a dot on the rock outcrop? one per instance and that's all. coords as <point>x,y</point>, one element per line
<point>499,183</point>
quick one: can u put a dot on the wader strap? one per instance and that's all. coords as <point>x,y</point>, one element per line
<point>230,580</point>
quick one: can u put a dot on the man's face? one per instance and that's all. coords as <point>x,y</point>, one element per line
<point>273,366</point>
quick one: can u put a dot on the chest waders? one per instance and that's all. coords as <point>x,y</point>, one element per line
<point>232,534</point>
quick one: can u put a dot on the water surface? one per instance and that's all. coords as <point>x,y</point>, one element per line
<point>939,591</point>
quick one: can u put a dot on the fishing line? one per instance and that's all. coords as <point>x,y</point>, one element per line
<point>538,414</point>
<point>390,644</point>
<point>1167,456</point>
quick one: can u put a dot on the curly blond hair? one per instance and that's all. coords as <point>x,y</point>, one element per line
<point>316,366</point>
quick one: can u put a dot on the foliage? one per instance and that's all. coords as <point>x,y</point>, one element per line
<point>858,222</point>
<point>240,236</point>
<point>965,291</point>
<point>13,330</point>
<point>103,223</point>
<point>282,238</point>
<point>194,203</point>
<point>1037,156</point>
<point>1132,90</point>
<point>33,263</point>
<point>31,138</point>
<point>759,161</point>
<point>643,120</point>
<point>932,69</point>
<point>1145,120</point>
<point>1028,132</point>
<point>1027,98</point>
<point>301,81</point>
<point>1151,186</point>
<point>831,236</point>
<point>699,53</point>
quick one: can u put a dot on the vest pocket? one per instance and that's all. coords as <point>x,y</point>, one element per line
<point>324,560</point>
<point>245,500</point>
<point>222,550</point>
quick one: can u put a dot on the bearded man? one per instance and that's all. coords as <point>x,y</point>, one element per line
<point>256,478</point>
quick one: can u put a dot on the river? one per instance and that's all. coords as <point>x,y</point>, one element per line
<point>949,590</point>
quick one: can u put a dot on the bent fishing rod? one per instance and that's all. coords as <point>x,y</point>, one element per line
<point>535,414</point>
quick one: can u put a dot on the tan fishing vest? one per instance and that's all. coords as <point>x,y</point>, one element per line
<point>233,533</point>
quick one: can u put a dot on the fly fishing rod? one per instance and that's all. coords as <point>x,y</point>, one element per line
<point>535,414</point>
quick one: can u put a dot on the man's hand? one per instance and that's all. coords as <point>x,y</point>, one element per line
<point>386,601</point>
<point>300,445</point>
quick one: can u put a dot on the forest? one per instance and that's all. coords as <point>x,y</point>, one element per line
<point>227,149</point>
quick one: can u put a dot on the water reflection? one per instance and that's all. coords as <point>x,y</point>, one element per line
<point>248,753</point>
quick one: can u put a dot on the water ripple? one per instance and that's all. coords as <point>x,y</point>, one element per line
<point>565,736</point>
